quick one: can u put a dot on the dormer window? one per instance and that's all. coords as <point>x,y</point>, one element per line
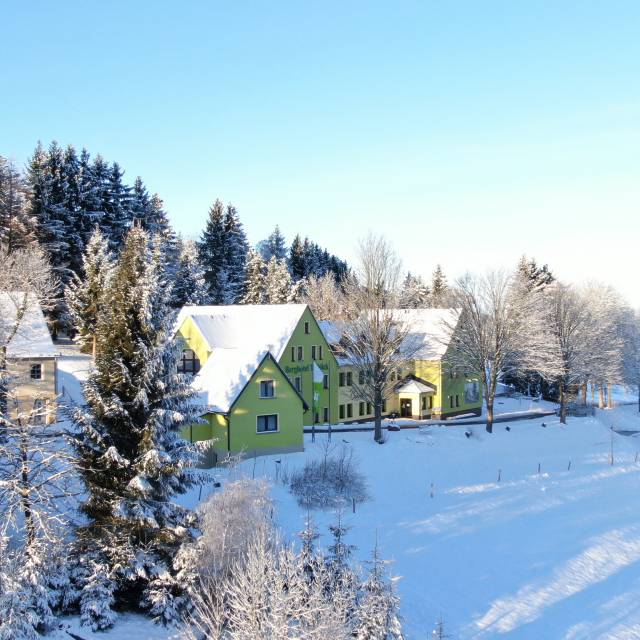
<point>188,362</point>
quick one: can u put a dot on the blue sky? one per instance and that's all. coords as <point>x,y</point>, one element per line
<point>467,132</point>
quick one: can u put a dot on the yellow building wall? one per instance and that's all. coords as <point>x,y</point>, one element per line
<point>23,391</point>
<point>191,335</point>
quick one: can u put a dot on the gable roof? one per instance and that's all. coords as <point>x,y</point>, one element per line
<point>239,337</point>
<point>430,332</point>
<point>32,340</point>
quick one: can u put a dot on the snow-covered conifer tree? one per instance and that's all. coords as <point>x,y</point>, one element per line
<point>377,615</point>
<point>189,285</point>
<point>255,285</point>
<point>132,457</point>
<point>17,228</point>
<point>85,295</point>
<point>223,251</point>
<point>273,246</point>
<point>439,289</point>
<point>414,293</point>
<point>277,282</point>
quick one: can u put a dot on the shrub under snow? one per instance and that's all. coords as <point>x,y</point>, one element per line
<point>329,482</point>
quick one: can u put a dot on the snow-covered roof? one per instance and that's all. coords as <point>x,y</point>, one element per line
<point>414,386</point>
<point>32,339</point>
<point>239,337</point>
<point>430,331</point>
<point>429,334</point>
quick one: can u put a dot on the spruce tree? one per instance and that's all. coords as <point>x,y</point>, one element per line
<point>255,284</point>
<point>223,251</point>
<point>274,245</point>
<point>85,294</point>
<point>277,282</point>
<point>415,293</point>
<point>117,206</point>
<point>131,456</point>
<point>189,285</point>
<point>296,259</point>
<point>17,229</point>
<point>439,288</point>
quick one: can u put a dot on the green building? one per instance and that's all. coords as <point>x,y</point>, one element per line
<point>427,387</point>
<point>262,373</point>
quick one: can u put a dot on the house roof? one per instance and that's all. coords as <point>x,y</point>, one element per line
<point>429,335</point>
<point>32,339</point>
<point>239,338</point>
<point>415,385</point>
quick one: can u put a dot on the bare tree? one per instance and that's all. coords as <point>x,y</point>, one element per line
<point>324,297</point>
<point>485,339</point>
<point>558,339</point>
<point>375,334</point>
<point>631,353</point>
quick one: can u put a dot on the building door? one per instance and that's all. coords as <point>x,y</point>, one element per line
<point>405,408</point>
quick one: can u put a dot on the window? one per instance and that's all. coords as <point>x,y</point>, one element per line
<point>369,408</point>
<point>360,377</point>
<point>313,352</point>
<point>384,406</point>
<point>325,414</point>
<point>349,410</point>
<point>341,412</point>
<point>267,389</point>
<point>361,409</point>
<point>293,354</point>
<point>319,352</point>
<point>297,383</point>
<point>430,402</point>
<point>36,372</point>
<point>267,424</point>
<point>341,379</point>
<point>325,381</point>
<point>300,353</point>
<point>189,362</point>
<point>316,418</point>
<point>424,402</point>
<point>307,330</point>
<point>457,400</point>
<point>451,402</point>
<point>349,378</point>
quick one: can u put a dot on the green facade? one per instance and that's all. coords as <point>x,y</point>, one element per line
<point>303,369</point>
<point>237,430</point>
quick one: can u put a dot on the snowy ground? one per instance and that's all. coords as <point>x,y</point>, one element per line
<point>549,555</point>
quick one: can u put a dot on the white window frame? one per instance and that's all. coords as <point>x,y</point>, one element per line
<point>36,364</point>
<point>265,415</point>
<point>273,383</point>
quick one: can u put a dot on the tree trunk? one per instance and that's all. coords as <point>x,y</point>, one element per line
<point>610,396</point>
<point>600,396</point>
<point>593,394</point>
<point>584,393</point>
<point>26,493</point>
<point>639,398</point>
<point>377,434</point>
<point>563,404</point>
<point>489,425</point>
<point>93,346</point>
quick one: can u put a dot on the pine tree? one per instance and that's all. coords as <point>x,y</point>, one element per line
<point>86,295</point>
<point>378,608</point>
<point>439,288</point>
<point>17,228</point>
<point>223,251</point>
<point>118,216</point>
<point>255,279</point>
<point>273,246</point>
<point>189,285</point>
<point>414,294</point>
<point>131,455</point>
<point>296,259</point>
<point>277,282</point>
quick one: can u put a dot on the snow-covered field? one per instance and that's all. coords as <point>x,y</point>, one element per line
<point>554,554</point>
